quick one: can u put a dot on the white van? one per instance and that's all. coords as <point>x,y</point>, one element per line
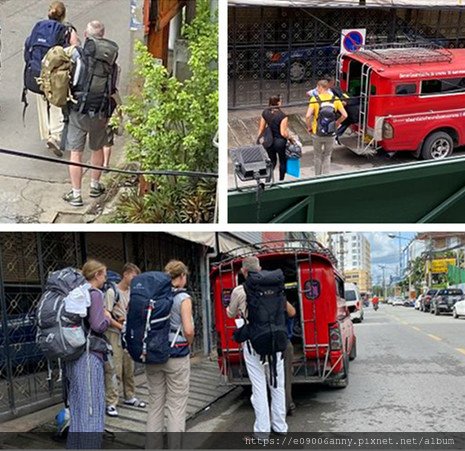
<point>354,302</point>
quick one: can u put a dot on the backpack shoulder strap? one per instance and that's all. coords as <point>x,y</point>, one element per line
<point>318,99</point>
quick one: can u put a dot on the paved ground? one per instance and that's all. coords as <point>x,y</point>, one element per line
<point>31,191</point>
<point>206,388</point>
<point>407,377</point>
<point>243,127</point>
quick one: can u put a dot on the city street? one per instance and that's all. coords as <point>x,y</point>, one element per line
<point>407,377</point>
<point>32,190</point>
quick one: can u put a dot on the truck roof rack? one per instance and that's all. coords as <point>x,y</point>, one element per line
<point>278,246</point>
<point>406,53</point>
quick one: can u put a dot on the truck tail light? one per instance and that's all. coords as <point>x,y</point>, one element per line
<point>275,57</point>
<point>388,130</point>
<point>335,338</point>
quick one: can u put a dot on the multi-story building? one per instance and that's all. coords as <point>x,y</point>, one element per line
<point>353,252</point>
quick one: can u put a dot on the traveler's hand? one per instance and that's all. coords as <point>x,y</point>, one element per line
<point>121,320</point>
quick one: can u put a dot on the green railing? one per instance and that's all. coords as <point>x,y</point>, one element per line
<point>420,192</point>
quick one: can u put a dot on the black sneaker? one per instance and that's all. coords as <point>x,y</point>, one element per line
<point>75,201</point>
<point>97,192</point>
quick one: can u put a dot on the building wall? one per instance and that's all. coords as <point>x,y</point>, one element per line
<point>360,277</point>
<point>357,251</point>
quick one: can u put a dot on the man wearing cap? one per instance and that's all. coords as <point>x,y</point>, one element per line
<point>257,370</point>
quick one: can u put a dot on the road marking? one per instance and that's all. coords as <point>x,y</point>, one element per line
<point>462,350</point>
<point>434,337</point>
<point>416,328</point>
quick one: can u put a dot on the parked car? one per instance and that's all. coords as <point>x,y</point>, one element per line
<point>390,301</point>
<point>458,309</point>
<point>354,302</point>
<point>426,300</point>
<point>21,332</point>
<point>408,303</point>
<point>398,301</point>
<point>300,63</point>
<point>418,302</point>
<point>445,299</point>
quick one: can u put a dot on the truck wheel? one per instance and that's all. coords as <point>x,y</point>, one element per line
<point>353,351</point>
<point>297,71</point>
<point>437,146</point>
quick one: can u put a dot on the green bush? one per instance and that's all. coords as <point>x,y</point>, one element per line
<point>171,125</point>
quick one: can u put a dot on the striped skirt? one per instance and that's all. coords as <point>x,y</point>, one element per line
<point>86,397</point>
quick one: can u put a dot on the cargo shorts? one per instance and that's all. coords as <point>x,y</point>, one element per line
<point>80,125</point>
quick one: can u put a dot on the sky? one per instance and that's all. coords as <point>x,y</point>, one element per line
<point>385,251</point>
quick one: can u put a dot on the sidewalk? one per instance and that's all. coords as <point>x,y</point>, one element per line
<point>35,201</point>
<point>243,129</point>
<point>205,388</point>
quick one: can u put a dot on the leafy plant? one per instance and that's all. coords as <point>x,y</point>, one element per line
<point>171,125</point>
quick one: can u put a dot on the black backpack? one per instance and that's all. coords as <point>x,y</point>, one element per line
<point>96,82</point>
<point>326,120</point>
<point>266,326</point>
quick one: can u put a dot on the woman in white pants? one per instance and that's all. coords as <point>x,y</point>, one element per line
<point>51,117</point>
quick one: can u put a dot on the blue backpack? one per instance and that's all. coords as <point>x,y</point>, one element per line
<point>146,336</point>
<point>45,35</point>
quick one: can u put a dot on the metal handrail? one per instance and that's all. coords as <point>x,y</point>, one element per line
<point>286,246</point>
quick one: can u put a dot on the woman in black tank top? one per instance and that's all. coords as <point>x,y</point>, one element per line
<point>277,121</point>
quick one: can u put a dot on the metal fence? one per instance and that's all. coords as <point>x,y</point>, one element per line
<point>25,261</point>
<point>284,51</point>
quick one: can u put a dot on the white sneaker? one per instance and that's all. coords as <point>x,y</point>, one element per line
<point>111,411</point>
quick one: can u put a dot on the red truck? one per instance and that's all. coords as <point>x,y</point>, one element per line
<point>323,333</point>
<point>412,98</point>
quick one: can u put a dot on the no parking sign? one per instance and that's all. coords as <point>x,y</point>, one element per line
<point>352,39</point>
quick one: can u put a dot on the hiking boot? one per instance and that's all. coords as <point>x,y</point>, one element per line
<point>54,146</point>
<point>96,192</point>
<point>75,201</point>
<point>111,411</point>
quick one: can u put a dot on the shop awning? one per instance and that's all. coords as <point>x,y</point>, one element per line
<point>226,241</point>
<point>350,3</point>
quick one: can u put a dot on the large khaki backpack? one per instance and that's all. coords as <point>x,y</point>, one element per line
<point>56,74</point>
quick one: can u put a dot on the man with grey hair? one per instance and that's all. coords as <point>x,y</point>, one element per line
<point>95,29</point>
<point>93,89</point>
<point>256,369</point>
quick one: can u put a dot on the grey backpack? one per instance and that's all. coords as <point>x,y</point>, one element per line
<point>61,334</point>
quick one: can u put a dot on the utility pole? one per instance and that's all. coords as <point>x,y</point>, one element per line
<point>383,267</point>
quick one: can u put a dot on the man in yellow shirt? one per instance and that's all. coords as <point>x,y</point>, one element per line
<point>322,123</point>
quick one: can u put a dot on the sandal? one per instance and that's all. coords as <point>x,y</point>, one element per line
<point>135,402</point>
